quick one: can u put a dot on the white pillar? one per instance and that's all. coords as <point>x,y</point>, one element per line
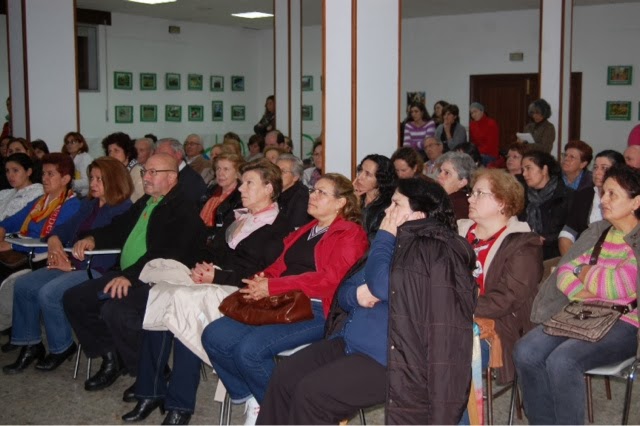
<point>556,17</point>
<point>43,69</point>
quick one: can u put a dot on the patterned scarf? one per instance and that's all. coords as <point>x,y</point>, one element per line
<point>41,211</point>
<point>536,199</point>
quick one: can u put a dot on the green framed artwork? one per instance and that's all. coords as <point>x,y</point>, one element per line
<point>307,83</point>
<point>196,113</point>
<point>124,114</point>
<point>237,83</point>
<point>172,81</point>
<point>147,81</point>
<point>619,110</point>
<point>195,81</point>
<point>237,112</point>
<point>173,113</point>
<point>122,80</point>
<point>307,112</point>
<point>217,113</point>
<point>148,113</point>
<point>217,83</point>
<point>619,75</point>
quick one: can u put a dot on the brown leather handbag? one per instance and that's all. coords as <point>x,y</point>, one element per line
<point>286,308</point>
<point>13,259</point>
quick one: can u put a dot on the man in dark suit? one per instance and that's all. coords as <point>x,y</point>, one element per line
<point>190,182</point>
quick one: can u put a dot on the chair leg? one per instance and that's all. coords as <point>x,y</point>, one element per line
<point>228,401</point>
<point>203,370</point>
<point>78,355</point>
<point>607,387</point>
<point>489,396</point>
<point>363,421</point>
<point>514,393</point>
<point>587,379</point>
<point>88,368</point>
<point>627,397</point>
<point>518,404</point>
<point>223,406</point>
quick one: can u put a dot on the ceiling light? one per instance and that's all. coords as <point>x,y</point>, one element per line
<point>152,1</point>
<point>252,15</point>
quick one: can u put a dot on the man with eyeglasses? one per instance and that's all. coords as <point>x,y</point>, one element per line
<point>106,313</point>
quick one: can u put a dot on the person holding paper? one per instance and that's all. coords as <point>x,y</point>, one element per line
<point>540,129</point>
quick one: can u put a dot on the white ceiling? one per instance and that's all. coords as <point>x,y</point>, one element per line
<point>218,12</point>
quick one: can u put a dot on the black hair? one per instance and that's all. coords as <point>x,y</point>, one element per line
<point>41,145</point>
<point>123,141</point>
<point>385,175</point>
<point>471,150</point>
<point>429,198</point>
<point>21,158</point>
<point>614,156</point>
<point>628,178</point>
<point>542,159</point>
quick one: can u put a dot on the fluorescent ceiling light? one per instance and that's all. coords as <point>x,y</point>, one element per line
<point>252,15</point>
<point>152,1</point>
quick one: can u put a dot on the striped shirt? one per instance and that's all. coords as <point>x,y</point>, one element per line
<point>414,136</point>
<point>612,278</point>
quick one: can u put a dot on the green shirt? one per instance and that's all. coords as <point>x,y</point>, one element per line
<point>136,245</point>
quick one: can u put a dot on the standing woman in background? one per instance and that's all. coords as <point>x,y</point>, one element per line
<point>542,131</point>
<point>484,133</point>
<point>268,121</point>
<point>419,127</point>
<point>76,146</point>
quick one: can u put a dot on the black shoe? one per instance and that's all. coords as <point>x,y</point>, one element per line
<point>175,417</point>
<point>53,361</point>
<point>129,394</point>
<point>8,347</point>
<point>143,409</point>
<point>28,354</point>
<point>6,332</point>
<point>108,373</point>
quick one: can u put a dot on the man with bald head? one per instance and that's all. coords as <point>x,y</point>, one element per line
<point>632,156</point>
<point>107,312</point>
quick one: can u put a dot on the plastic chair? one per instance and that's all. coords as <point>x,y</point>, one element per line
<point>625,369</point>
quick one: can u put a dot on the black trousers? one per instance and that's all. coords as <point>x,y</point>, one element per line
<point>108,325</point>
<point>322,385</point>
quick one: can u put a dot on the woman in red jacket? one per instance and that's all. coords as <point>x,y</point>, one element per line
<point>484,133</point>
<point>315,259</point>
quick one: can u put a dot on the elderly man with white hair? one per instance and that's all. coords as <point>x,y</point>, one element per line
<point>190,182</point>
<point>145,149</point>
<point>193,149</point>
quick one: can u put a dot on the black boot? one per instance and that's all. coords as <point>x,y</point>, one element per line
<point>144,407</point>
<point>175,417</point>
<point>28,354</point>
<point>108,373</point>
<point>53,361</point>
<point>8,347</point>
<point>129,394</point>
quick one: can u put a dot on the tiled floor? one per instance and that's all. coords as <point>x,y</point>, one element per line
<point>55,398</point>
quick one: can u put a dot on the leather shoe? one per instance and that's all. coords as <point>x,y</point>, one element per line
<point>129,394</point>
<point>175,417</point>
<point>8,347</point>
<point>108,373</point>
<point>53,361</point>
<point>144,407</point>
<point>28,354</point>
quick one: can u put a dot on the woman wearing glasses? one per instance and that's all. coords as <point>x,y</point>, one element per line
<point>76,146</point>
<point>315,259</point>
<point>508,264</point>
<point>120,146</point>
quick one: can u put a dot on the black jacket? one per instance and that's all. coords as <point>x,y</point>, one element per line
<point>175,231</point>
<point>293,204</point>
<point>373,214</point>
<point>432,297</point>
<point>580,209</point>
<point>191,184</point>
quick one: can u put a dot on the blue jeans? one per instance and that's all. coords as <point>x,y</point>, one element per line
<point>551,371</point>
<point>40,292</point>
<point>180,393</point>
<point>242,355</point>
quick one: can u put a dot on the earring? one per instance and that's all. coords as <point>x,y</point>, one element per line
<point>501,211</point>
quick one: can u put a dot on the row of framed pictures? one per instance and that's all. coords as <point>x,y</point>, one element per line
<point>619,75</point>
<point>173,113</point>
<point>123,80</point>
<point>620,110</point>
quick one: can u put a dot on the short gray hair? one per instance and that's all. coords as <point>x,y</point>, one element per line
<point>175,145</point>
<point>461,162</point>
<point>148,141</point>
<point>297,165</point>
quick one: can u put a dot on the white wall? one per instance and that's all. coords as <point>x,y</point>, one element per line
<point>4,67</point>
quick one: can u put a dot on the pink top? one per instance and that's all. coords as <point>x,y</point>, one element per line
<point>246,223</point>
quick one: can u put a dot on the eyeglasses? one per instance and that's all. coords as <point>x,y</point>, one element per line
<point>154,172</point>
<point>70,141</point>
<point>319,192</point>
<point>286,171</point>
<point>569,157</point>
<point>478,194</point>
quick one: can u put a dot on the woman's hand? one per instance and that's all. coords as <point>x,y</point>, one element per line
<point>257,287</point>
<point>365,298</point>
<point>203,273</point>
<point>85,244</point>
<point>59,261</point>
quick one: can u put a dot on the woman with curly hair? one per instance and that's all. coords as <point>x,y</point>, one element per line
<point>542,131</point>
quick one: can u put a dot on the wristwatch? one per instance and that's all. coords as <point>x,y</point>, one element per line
<point>578,270</point>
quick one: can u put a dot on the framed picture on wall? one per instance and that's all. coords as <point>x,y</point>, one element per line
<point>619,110</point>
<point>217,83</point>
<point>124,114</point>
<point>196,113</point>
<point>237,112</point>
<point>237,83</point>
<point>122,80</point>
<point>307,112</point>
<point>307,83</point>
<point>148,113</point>
<point>147,81</point>
<point>173,113</point>
<point>172,81</point>
<point>420,97</point>
<point>195,81</point>
<point>217,113</point>
<point>619,75</point>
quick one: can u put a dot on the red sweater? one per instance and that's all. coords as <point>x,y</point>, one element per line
<point>485,134</point>
<point>339,249</point>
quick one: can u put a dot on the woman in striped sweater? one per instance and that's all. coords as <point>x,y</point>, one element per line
<point>551,368</point>
<point>419,127</point>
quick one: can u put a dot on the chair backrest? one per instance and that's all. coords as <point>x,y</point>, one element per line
<point>549,265</point>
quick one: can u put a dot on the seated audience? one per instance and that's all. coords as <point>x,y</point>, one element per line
<point>268,121</point>
<point>19,172</point>
<point>38,294</point>
<point>256,146</point>
<point>418,127</point>
<point>407,163</point>
<point>312,174</point>
<point>547,199</point>
<point>274,139</point>
<point>40,148</point>
<point>76,146</point>
<point>433,148</point>
<point>484,133</point>
<point>120,146</point>
<point>472,151</point>
<point>354,367</point>
<point>193,153</point>
<point>21,145</point>
<point>632,156</point>
<point>294,199</point>
<point>551,368</point>
<point>540,128</point>
<point>575,159</point>
<point>455,171</point>
<point>508,266</point>
<point>190,183</point>
<point>315,259</point>
<point>451,131</point>
<point>272,153</point>
<point>145,148</point>
<point>209,174</point>
<point>516,152</point>
<point>585,208</point>
<point>438,111</point>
